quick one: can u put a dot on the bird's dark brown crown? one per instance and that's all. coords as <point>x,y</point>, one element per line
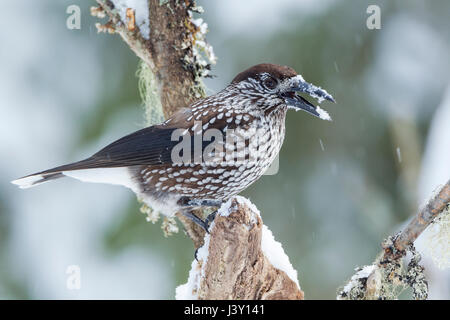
<point>276,71</point>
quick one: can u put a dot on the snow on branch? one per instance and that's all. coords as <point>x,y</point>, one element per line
<point>122,20</point>
<point>240,259</point>
<point>169,39</point>
<point>386,278</point>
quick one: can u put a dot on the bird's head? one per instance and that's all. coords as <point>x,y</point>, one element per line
<point>280,85</point>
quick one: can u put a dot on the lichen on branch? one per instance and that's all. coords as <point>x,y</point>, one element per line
<point>175,48</point>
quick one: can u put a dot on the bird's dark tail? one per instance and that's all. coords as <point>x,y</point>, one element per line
<point>47,175</point>
<point>36,179</point>
<point>88,170</point>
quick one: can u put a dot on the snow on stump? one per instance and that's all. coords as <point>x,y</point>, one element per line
<point>240,259</point>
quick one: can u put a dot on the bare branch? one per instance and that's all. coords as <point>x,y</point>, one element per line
<point>421,221</point>
<point>386,274</point>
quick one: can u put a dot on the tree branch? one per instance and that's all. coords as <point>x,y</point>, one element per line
<point>240,260</point>
<point>130,34</point>
<point>419,223</point>
<point>379,280</point>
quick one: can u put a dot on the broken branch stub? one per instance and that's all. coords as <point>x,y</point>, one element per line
<point>233,264</point>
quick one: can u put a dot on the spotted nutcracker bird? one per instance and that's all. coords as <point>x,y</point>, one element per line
<point>203,154</point>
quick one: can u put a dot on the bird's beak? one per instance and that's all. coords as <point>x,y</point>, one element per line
<point>296,102</point>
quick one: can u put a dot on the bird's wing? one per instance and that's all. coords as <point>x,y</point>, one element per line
<point>153,145</point>
<point>148,146</point>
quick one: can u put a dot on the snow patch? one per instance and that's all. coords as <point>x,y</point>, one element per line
<point>254,210</point>
<point>364,273</point>
<point>203,53</point>
<point>323,114</point>
<point>141,14</point>
<point>227,208</point>
<point>299,78</point>
<point>437,240</point>
<point>297,83</point>
<point>200,43</point>
<point>203,251</point>
<point>188,291</point>
<point>314,91</point>
<point>273,251</point>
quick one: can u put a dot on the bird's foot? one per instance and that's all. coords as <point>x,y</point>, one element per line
<point>204,224</point>
<point>196,220</point>
<point>195,254</point>
<point>210,218</point>
<point>197,203</point>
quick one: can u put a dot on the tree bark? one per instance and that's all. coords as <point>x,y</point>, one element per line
<point>170,42</point>
<point>236,266</point>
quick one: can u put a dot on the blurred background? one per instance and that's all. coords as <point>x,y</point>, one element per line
<point>342,186</point>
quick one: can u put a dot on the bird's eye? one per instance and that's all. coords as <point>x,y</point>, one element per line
<point>270,83</point>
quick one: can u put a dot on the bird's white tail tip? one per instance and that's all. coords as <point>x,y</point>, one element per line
<point>29,181</point>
